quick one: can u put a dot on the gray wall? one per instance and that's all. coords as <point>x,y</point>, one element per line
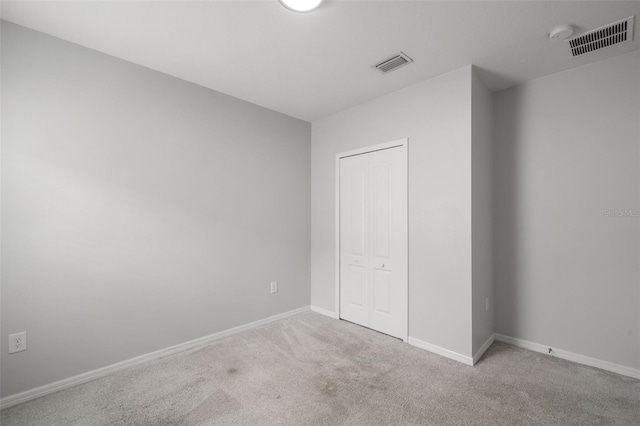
<point>566,151</point>
<point>482,211</point>
<point>436,117</point>
<point>139,211</point>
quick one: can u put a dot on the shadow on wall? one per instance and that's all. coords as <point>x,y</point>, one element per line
<point>507,250</point>
<point>494,78</point>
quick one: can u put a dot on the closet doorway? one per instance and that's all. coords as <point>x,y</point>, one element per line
<point>372,237</point>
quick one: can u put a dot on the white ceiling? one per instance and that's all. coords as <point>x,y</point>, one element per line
<point>312,65</point>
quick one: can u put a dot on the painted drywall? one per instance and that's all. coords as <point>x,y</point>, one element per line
<point>566,210</point>
<point>436,117</point>
<point>139,211</point>
<point>482,211</point>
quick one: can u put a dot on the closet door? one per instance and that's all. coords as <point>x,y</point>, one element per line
<point>388,241</point>
<point>373,240</point>
<point>354,239</point>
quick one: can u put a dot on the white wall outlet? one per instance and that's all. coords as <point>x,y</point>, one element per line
<point>274,287</point>
<point>18,342</point>
<point>486,304</point>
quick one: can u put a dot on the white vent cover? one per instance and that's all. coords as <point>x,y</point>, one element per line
<point>609,35</point>
<point>393,63</point>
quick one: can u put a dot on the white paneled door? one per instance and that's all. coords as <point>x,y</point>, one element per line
<point>373,240</point>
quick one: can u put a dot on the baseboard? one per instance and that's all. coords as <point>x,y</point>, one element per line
<point>440,351</point>
<point>570,356</point>
<point>28,395</point>
<point>325,312</point>
<point>483,348</point>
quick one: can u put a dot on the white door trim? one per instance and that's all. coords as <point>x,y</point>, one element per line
<point>386,145</point>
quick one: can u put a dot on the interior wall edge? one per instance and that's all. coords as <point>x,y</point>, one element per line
<point>485,347</point>
<point>325,312</point>
<point>438,350</point>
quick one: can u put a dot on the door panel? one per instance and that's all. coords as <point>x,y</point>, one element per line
<point>356,282</point>
<point>357,182</point>
<point>373,240</point>
<point>381,206</point>
<point>354,240</point>
<point>388,188</point>
<point>382,291</point>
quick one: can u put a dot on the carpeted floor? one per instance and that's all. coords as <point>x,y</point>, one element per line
<point>309,369</point>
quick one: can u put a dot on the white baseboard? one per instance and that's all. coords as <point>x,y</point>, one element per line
<point>440,351</point>
<point>30,394</point>
<point>483,348</point>
<point>570,356</point>
<point>326,312</point>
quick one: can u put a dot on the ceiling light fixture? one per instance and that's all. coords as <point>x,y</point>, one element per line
<point>301,5</point>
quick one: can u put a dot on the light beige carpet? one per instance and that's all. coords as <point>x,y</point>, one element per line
<point>309,369</point>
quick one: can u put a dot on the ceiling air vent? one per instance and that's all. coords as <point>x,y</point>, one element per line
<point>393,63</point>
<point>609,35</point>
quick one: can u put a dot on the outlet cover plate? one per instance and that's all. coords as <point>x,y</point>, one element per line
<point>18,342</point>
<point>274,287</point>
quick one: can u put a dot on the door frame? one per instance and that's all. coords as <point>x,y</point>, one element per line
<point>404,142</point>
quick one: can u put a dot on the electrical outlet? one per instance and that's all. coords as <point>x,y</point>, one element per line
<point>274,287</point>
<point>486,304</point>
<point>18,342</point>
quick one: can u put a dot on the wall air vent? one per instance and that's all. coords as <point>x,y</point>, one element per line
<point>609,35</point>
<point>393,63</point>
